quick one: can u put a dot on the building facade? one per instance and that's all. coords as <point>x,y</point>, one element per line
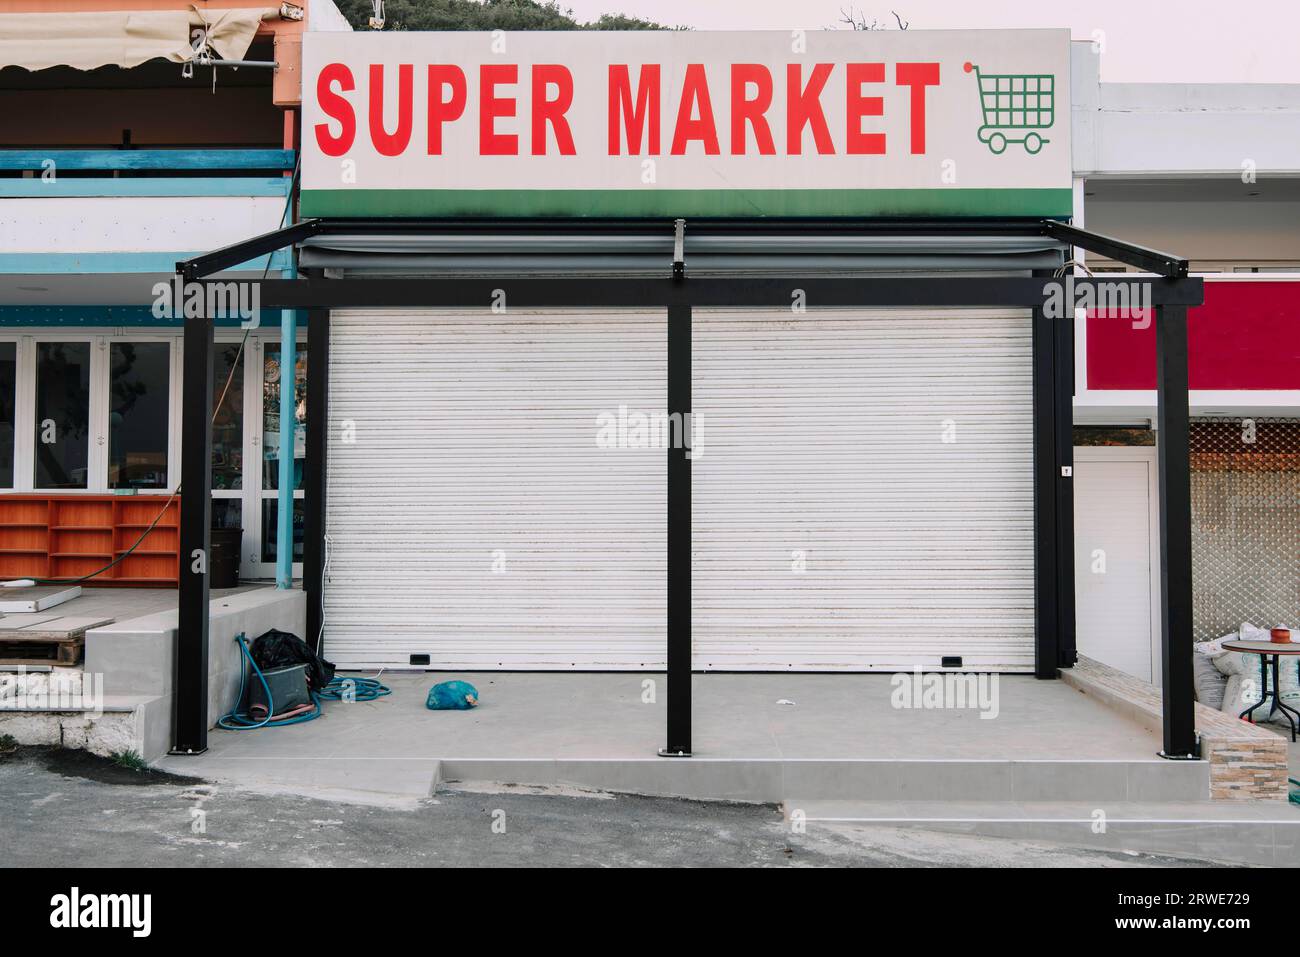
<point>1212,171</point>
<point>120,159</point>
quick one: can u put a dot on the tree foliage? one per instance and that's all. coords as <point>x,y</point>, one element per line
<point>484,15</point>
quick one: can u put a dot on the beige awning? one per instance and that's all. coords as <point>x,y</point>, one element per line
<point>127,38</point>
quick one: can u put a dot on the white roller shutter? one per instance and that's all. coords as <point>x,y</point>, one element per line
<point>886,454</point>
<point>471,515</point>
<point>863,500</point>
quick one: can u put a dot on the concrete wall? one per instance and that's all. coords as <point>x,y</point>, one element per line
<point>1187,129</point>
<point>137,657</point>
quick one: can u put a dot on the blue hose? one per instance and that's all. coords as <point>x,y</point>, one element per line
<point>361,689</point>
<point>237,720</point>
<point>339,689</point>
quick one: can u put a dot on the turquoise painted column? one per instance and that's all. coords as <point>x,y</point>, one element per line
<point>288,429</point>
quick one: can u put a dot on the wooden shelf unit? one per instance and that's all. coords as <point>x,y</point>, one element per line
<point>66,536</point>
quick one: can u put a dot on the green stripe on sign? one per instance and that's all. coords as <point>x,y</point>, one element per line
<point>687,202</point>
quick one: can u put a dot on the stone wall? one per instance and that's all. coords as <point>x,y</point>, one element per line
<point>1247,762</point>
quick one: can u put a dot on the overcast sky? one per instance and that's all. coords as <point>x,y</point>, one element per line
<point>1146,41</point>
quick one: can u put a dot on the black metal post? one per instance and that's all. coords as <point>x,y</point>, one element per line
<point>679,535</point>
<point>313,548</point>
<point>1046,514</point>
<point>190,724</point>
<point>1064,371</point>
<point>1175,532</point>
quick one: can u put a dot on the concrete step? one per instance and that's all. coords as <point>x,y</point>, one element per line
<point>1263,833</point>
<point>773,780</point>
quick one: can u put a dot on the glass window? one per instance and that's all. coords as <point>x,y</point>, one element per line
<point>8,391</point>
<point>139,403</point>
<point>271,416</point>
<point>270,512</point>
<point>62,414</point>
<point>227,512</point>
<point>227,418</point>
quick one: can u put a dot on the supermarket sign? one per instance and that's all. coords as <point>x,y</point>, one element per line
<point>685,123</point>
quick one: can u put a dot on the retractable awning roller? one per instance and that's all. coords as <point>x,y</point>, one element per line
<point>711,251</point>
<point>124,38</point>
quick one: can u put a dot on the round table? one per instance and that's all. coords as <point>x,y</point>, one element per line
<point>1266,649</point>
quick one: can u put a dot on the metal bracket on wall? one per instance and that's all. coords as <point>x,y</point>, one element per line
<point>679,249</point>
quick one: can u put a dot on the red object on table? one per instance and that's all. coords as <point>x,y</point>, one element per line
<point>1280,635</point>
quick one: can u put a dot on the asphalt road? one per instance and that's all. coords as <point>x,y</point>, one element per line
<point>68,808</point>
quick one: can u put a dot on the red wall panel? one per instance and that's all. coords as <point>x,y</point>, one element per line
<point>1246,336</point>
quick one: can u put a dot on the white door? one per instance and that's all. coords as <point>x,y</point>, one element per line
<point>1116,564</point>
<point>474,517</point>
<point>863,500</point>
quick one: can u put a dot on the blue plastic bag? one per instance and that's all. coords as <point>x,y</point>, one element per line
<point>452,696</point>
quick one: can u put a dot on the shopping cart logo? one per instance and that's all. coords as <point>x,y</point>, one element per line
<point>1016,106</point>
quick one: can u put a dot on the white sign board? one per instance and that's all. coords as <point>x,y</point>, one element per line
<point>686,123</point>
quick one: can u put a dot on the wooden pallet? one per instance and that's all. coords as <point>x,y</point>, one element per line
<point>44,639</point>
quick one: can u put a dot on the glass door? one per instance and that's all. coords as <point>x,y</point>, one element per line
<point>266,503</point>
<point>62,421</point>
<point>228,446</point>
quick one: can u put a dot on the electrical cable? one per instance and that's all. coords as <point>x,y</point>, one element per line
<point>234,365</point>
<point>324,577</point>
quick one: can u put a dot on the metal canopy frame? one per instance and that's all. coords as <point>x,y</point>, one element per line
<point>1170,289</point>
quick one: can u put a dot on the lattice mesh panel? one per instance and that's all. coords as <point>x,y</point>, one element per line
<point>1245,524</point>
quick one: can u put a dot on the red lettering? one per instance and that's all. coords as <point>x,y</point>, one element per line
<point>443,76</point>
<point>336,108</point>
<point>744,110</point>
<point>803,107</point>
<point>634,121</point>
<point>917,76</point>
<point>391,144</point>
<point>695,92</point>
<point>552,111</point>
<point>490,106</point>
<point>857,106</point>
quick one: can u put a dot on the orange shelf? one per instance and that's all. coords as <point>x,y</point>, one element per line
<point>43,536</point>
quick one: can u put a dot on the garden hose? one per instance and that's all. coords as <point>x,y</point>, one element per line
<point>354,689</point>
<point>338,689</point>
<point>1295,795</point>
<point>236,720</point>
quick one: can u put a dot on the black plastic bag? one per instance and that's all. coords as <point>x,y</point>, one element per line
<point>278,649</point>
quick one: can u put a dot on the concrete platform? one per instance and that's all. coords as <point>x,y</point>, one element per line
<point>841,739</point>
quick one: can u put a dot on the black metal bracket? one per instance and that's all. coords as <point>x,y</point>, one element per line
<point>246,250</point>
<point>679,249</point>
<point>1148,260</point>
